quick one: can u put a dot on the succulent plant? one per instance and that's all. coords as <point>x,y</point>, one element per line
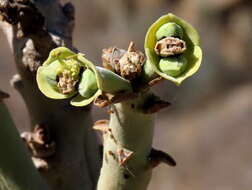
<point>173,52</point>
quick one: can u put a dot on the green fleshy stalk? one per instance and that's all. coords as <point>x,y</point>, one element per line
<point>193,53</point>
<point>130,131</point>
<point>17,172</point>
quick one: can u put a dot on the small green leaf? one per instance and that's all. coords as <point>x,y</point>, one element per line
<point>193,53</point>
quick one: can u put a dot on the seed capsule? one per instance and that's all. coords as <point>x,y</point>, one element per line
<point>173,66</point>
<point>170,29</point>
<point>88,85</point>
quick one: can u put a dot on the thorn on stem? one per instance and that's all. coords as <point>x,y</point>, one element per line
<point>110,111</point>
<point>3,95</point>
<point>124,155</point>
<point>155,81</point>
<point>16,82</point>
<point>157,156</point>
<point>40,164</point>
<point>106,99</point>
<point>112,154</point>
<point>101,125</point>
<point>154,104</point>
<point>40,142</point>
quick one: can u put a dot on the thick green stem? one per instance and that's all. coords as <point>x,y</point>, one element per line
<point>16,168</point>
<point>127,145</point>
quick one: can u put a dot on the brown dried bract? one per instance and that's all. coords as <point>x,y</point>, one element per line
<point>127,64</point>
<point>66,82</point>
<point>170,46</point>
<point>102,101</point>
<point>111,57</point>
<point>131,63</point>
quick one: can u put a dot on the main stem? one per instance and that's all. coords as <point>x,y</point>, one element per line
<point>16,168</point>
<point>127,145</point>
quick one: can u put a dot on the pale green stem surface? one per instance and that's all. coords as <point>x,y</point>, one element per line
<point>16,168</point>
<point>133,130</point>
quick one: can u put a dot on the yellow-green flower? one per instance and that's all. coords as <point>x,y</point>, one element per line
<point>58,76</point>
<point>172,47</point>
<point>66,74</point>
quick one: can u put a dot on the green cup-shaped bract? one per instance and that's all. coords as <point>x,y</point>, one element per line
<point>193,53</point>
<point>47,73</point>
<point>106,80</point>
<point>90,84</point>
<point>173,65</point>
<point>170,29</point>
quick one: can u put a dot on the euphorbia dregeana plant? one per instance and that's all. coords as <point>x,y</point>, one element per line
<point>172,52</point>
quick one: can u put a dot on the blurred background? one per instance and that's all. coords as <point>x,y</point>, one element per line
<point>208,128</point>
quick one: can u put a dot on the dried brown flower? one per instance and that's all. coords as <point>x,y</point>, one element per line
<point>170,46</point>
<point>66,82</point>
